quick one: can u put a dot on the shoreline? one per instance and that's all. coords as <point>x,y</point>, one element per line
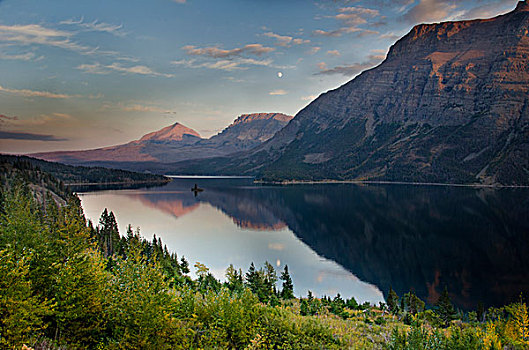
<point>371,182</point>
<point>117,183</point>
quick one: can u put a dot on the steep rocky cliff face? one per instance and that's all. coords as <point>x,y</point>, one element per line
<point>449,104</point>
<point>248,131</point>
<point>176,143</point>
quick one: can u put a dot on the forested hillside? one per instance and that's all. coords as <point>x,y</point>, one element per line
<point>78,174</point>
<point>66,283</point>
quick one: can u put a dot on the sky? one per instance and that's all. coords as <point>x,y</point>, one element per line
<point>87,74</point>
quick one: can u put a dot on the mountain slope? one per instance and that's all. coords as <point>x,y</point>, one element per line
<point>177,142</point>
<point>145,149</point>
<point>449,104</point>
<point>77,175</point>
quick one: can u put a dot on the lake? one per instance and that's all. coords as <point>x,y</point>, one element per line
<point>356,240</point>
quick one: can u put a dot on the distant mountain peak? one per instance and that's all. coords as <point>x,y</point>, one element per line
<point>173,132</point>
<point>250,117</point>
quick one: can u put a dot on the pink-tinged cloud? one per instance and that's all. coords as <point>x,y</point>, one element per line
<point>285,40</point>
<point>430,11</point>
<point>33,93</point>
<point>350,70</point>
<point>215,52</point>
<point>279,92</point>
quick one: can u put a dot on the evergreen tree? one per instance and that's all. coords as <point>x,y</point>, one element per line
<point>234,280</point>
<point>304,309</point>
<point>79,281</point>
<point>270,280</point>
<point>140,305</point>
<point>481,312</point>
<point>520,319</point>
<point>351,304</point>
<point>310,297</point>
<point>288,287</point>
<point>21,312</point>
<point>444,308</point>
<point>252,278</point>
<point>184,266</point>
<point>206,281</point>
<point>337,304</point>
<point>414,305</point>
<point>393,301</point>
<point>108,234</point>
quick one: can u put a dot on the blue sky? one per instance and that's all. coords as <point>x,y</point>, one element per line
<point>86,74</point>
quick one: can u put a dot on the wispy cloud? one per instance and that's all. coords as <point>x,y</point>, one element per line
<point>350,70</point>
<point>337,32</point>
<point>335,53</point>
<point>143,108</point>
<point>7,119</point>
<point>179,1</point>
<point>390,35</point>
<point>350,18</point>
<point>96,26</point>
<point>430,11</point>
<point>30,34</point>
<point>216,52</point>
<point>29,56</point>
<point>63,115</point>
<point>487,10</point>
<point>279,92</point>
<point>36,34</point>
<point>313,50</point>
<point>13,135</point>
<point>138,69</point>
<point>285,40</point>
<point>98,68</point>
<point>309,98</point>
<point>36,121</point>
<point>232,64</point>
<point>33,93</point>
<point>136,106</point>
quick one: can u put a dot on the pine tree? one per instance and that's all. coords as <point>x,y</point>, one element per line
<point>184,266</point>
<point>140,311</point>
<point>251,278</point>
<point>393,301</point>
<point>520,318</point>
<point>109,239</point>
<point>288,287</point>
<point>413,303</point>
<point>351,304</point>
<point>21,312</point>
<point>304,308</point>
<point>234,280</point>
<point>444,308</point>
<point>270,279</point>
<point>481,312</point>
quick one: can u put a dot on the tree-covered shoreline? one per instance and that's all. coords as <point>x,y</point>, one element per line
<point>71,175</point>
<point>66,283</point>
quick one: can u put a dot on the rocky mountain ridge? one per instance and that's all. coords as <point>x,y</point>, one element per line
<point>176,143</point>
<point>449,104</point>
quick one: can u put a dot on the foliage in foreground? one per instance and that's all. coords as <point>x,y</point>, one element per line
<point>66,284</point>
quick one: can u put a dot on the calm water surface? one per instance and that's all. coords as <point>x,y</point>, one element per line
<point>343,238</point>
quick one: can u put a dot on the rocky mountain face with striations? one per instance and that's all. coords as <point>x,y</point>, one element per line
<point>247,132</point>
<point>449,104</point>
<point>176,143</point>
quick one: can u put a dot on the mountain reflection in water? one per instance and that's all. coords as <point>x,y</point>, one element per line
<point>473,241</point>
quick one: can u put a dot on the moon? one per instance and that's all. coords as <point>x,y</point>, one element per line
<point>279,74</point>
